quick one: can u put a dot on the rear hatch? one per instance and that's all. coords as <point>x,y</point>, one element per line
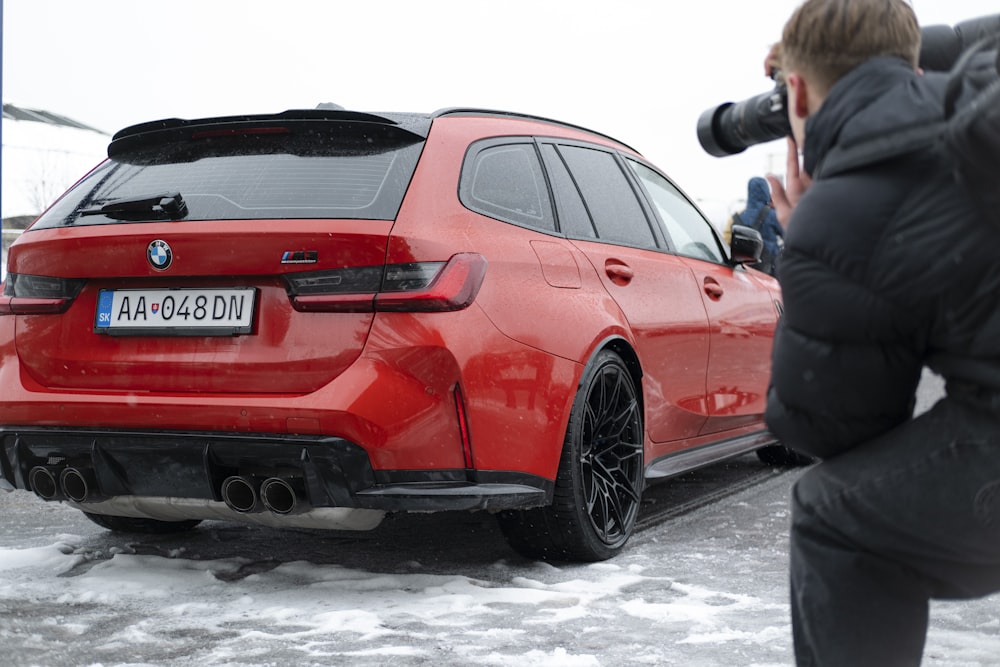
<point>238,254</point>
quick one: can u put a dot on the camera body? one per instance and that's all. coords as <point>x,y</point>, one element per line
<point>731,128</point>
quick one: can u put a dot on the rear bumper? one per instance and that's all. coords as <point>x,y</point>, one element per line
<point>174,475</point>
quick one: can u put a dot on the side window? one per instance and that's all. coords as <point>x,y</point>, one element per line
<point>574,220</point>
<point>609,197</point>
<point>690,232</point>
<point>505,181</point>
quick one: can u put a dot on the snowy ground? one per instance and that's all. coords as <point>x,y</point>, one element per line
<point>703,588</point>
<point>702,584</point>
<point>706,588</point>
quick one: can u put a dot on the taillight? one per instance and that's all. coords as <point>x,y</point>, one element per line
<point>411,287</point>
<point>26,294</point>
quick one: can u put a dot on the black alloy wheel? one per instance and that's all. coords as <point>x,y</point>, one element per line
<point>600,479</point>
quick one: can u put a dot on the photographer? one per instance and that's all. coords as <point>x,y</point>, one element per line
<point>886,268</point>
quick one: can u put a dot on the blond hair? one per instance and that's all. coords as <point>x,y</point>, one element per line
<point>826,39</point>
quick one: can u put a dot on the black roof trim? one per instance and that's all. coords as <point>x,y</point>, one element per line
<point>474,111</point>
<point>415,123</point>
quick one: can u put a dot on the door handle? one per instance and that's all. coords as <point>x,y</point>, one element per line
<point>620,274</point>
<point>713,289</point>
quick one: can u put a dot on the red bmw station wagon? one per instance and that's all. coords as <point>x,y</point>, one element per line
<point>317,317</point>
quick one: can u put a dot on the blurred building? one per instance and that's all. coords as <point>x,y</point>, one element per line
<point>44,153</point>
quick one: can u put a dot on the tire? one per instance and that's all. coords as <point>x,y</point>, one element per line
<point>779,455</point>
<point>600,479</point>
<point>129,524</point>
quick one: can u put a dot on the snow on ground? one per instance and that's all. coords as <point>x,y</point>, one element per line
<point>703,589</point>
<point>130,608</point>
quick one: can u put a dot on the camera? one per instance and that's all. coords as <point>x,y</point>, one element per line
<point>731,128</point>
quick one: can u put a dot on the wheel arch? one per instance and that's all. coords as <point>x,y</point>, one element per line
<point>627,353</point>
<point>600,480</point>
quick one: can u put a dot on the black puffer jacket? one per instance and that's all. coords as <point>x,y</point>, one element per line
<point>886,268</point>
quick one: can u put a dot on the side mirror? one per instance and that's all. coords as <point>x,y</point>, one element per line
<point>746,245</point>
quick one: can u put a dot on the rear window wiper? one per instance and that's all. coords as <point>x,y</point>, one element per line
<point>165,206</point>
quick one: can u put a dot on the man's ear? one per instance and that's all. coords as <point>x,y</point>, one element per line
<point>800,98</point>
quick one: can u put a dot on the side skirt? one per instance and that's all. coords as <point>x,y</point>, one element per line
<point>690,459</point>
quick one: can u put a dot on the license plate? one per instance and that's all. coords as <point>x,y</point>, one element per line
<point>178,312</point>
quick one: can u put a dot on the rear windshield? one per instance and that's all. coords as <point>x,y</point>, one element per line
<point>302,174</point>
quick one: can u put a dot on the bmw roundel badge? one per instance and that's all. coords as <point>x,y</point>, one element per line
<point>159,255</point>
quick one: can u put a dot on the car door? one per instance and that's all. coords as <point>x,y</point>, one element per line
<point>654,289</point>
<point>742,307</point>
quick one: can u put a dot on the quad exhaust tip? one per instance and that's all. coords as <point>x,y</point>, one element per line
<point>240,494</point>
<point>280,497</point>
<point>78,484</point>
<point>275,494</point>
<point>43,483</point>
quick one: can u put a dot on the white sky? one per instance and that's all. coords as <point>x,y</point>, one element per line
<point>639,70</point>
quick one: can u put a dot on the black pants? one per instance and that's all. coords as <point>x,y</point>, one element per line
<point>880,530</point>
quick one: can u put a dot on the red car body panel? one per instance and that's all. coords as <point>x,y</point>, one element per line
<point>216,254</point>
<point>673,351</point>
<point>742,316</point>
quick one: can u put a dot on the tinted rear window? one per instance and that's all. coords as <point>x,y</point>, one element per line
<point>299,175</point>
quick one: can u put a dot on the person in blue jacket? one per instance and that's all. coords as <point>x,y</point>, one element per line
<point>759,214</point>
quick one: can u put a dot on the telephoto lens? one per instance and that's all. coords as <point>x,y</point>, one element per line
<point>731,127</point>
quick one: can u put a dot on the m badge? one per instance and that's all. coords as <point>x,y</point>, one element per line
<point>299,257</point>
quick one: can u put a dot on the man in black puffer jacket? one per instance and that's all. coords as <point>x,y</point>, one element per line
<point>886,269</point>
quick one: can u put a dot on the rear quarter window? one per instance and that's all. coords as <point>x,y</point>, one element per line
<point>504,180</point>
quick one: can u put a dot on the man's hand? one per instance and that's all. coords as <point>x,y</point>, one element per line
<point>785,196</point>
<point>772,63</point>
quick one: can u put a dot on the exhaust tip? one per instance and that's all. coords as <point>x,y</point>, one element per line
<point>77,484</point>
<point>279,496</point>
<point>43,483</point>
<point>239,494</point>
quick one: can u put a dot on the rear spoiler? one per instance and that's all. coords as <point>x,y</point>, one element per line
<point>396,128</point>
